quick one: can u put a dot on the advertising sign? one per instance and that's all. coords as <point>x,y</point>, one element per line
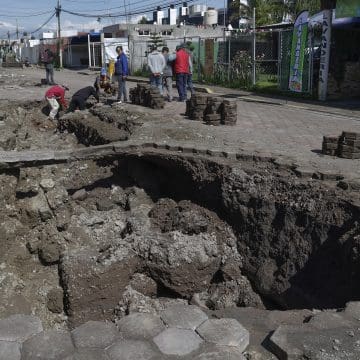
<point>299,42</point>
<point>325,54</point>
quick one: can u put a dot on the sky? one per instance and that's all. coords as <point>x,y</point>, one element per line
<point>29,15</point>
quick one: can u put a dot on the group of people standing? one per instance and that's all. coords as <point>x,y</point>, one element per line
<point>163,66</point>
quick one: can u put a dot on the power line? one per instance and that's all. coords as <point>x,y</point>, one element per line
<point>123,14</point>
<point>28,15</point>
<point>34,31</point>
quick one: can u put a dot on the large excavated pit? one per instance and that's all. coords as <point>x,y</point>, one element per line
<point>99,239</point>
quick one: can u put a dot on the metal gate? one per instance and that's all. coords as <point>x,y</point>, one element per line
<point>95,54</point>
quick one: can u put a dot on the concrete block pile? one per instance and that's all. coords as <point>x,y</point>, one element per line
<point>211,109</point>
<point>195,107</point>
<point>146,95</point>
<point>330,145</point>
<point>346,146</point>
<point>229,112</point>
<point>349,145</point>
<point>212,115</point>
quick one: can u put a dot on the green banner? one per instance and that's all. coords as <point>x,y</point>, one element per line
<point>347,8</point>
<point>299,42</point>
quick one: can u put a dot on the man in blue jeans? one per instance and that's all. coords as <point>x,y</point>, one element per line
<point>48,60</point>
<point>121,73</point>
<point>156,64</point>
<point>182,69</point>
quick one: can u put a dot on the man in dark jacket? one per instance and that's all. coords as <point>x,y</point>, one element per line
<point>121,73</point>
<point>78,100</point>
<point>48,60</point>
<point>167,73</point>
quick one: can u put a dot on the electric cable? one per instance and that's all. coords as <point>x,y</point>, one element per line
<point>138,11</point>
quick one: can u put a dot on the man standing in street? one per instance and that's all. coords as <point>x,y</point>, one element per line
<point>55,96</point>
<point>190,49</point>
<point>48,60</point>
<point>168,73</point>
<point>156,63</point>
<point>121,73</point>
<point>182,68</point>
<point>78,100</point>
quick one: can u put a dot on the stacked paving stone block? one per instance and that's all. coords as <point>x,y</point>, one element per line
<point>147,95</point>
<point>195,107</point>
<point>213,111</point>
<point>346,146</point>
<point>330,145</point>
<point>229,112</point>
<point>349,145</point>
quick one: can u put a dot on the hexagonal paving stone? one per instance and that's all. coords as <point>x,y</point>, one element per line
<point>48,345</point>
<point>221,353</point>
<point>10,350</point>
<point>19,327</point>
<point>131,350</point>
<point>95,334</point>
<point>179,342</point>
<point>140,326</point>
<point>226,332</point>
<point>88,354</point>
<point>183,316</point>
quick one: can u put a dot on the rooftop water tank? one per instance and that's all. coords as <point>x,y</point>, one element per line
<point>211,17</point>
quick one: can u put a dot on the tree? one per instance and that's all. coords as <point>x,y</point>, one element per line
<point>274,11</point>
<point>143,20</point>
<point>295,7</point>
<point>156,40</point>
<point>267,12</point>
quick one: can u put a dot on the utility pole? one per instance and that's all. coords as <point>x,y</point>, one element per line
<point>58,12</point>
<point>254,46</point>
<point>17,30</point>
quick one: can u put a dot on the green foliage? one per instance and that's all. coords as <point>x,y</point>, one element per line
<point>143,72</point>
<point>143,20</point>
<point>238,75</point>
<point>295,7</point>
<point>269,12</point>
<point>156,40</point>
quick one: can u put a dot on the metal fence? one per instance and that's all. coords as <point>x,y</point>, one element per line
<point>236,60</point>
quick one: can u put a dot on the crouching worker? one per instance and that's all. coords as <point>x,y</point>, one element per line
<point>55,96</point>
<point>78,100</point>
<point>103,81</point>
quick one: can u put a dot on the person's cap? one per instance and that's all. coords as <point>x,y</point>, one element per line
<point>103,71</point>
<point>66,87</point>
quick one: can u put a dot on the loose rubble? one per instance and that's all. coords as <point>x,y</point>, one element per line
<point>162,250</point>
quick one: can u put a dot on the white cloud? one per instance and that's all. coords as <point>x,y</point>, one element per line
<point>7,26</point>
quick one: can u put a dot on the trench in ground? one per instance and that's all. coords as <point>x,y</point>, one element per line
<point>160,227</point>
